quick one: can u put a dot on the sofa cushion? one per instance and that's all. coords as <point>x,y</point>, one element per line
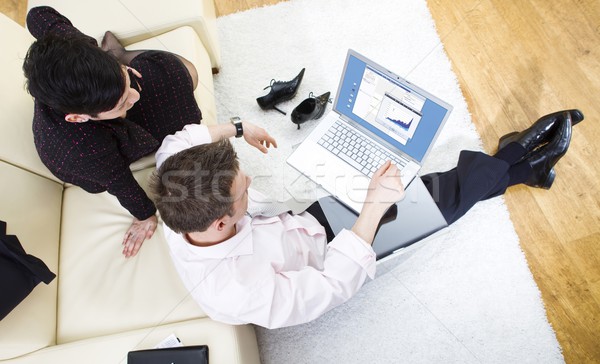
<point>31,206</point>
<point>16,138</point>
<point>100,291</point>
<point>142,291</point>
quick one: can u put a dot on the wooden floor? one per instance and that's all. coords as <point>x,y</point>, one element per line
<point>516,61</point>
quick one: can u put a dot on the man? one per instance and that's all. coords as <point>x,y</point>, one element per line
<point>277,271</point>
<point>98,109</point>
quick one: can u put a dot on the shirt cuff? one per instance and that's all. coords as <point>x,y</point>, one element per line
<point>355,248</point>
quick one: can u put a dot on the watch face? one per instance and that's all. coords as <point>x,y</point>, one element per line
<point>235,119</point>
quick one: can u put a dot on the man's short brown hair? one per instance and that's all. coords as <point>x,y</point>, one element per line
<point>192,188</point>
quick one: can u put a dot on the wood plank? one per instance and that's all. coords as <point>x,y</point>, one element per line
<point>538,63</point>
<point>234,6</point>
<point>14,9</point>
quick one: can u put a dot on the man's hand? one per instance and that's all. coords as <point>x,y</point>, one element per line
<point>139,231</point>
<point>258,137</point>
<point>385,189</point>
<point>386,186</point>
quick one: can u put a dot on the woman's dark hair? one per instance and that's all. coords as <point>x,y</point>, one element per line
<point>73,75</point>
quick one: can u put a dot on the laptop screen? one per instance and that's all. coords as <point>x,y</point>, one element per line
<point>395,110</point>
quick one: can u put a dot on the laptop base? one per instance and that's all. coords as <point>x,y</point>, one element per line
<point>407,222</point>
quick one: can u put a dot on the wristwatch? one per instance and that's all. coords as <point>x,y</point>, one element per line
<point>239,131</point>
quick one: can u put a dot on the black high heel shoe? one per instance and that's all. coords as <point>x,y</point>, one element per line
<point>280,91</point>
<point>311,108</point>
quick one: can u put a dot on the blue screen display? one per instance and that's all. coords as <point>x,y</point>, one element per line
<point>393,110</point>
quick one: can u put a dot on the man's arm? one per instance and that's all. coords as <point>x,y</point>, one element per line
<point>385,189</point>
<point>254,135</point>
<point>196,134</point>
<point>272,296</point>
<point>189,136</point>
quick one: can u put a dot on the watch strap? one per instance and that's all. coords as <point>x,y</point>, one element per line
<point>239,130</point>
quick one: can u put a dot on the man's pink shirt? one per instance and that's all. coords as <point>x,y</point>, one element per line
<point>276,271</point>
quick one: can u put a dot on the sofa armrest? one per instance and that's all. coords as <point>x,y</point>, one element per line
<point>135,20</point>
<point>31,206</point>
<point>16,138</point>
<point>226,344</point>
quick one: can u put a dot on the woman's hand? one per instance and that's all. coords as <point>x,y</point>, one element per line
<point>139,231</point>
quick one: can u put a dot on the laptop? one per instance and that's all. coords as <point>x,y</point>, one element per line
<point>377,115</point>
<point>414,219</point>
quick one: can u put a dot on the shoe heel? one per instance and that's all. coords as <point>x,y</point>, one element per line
<point>504,140</point>
<point>278,109</point>
<point>550,180</point>
<point>265,102</point>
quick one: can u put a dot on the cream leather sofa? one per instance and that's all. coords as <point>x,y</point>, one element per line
<point>101,305</point>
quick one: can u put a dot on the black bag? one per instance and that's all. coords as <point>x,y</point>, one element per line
<point>20,272</point>
<point>197,354</point>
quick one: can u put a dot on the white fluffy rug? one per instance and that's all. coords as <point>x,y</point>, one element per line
<point>464,297</point>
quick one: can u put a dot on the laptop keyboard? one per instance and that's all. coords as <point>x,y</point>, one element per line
<point>357,150</point>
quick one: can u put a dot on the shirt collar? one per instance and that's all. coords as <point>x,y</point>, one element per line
<point>239,244</point>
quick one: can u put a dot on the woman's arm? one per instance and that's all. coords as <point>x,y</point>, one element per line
<point>42,20</point>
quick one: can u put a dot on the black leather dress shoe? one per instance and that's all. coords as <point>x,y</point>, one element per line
<point>542,160</point>
<point>280,91</point>
<point>311,108</point>
<point>541,131</point>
